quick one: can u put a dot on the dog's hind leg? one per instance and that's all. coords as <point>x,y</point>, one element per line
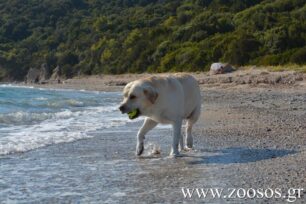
<point>146,127</point>
<point>190,121</point>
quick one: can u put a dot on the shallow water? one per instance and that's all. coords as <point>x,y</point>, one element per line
<point>64,146</point>
<point>31,118</point>
<point>104,169</point>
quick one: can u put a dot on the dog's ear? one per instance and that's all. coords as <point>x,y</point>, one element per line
<point>151,93</point>
<point>127,89</point>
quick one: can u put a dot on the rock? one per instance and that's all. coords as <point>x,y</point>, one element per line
<point>275,79</point>
<point>220,68</point>
<point>56,74</point>
<point>40,75</point>
<point>227,80</point>
<point>240,80</point>
<point>116,83</point>
<point>33,75</point>
<point>44,73</point>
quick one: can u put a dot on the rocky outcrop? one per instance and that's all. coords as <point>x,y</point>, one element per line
<point>33,75</point>
<point>43,75</point>
<point>220,68</point>
<point>56,75</point>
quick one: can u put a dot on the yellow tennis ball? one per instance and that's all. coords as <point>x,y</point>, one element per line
<point>133,114</point>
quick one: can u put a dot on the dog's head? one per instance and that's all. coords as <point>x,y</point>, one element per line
<point>139,96</point>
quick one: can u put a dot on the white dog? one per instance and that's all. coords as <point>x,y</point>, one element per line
<point>166,100</point>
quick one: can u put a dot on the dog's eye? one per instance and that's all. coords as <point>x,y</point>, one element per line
<point>132,96</point>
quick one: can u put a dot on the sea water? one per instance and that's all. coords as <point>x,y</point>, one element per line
<point>32,118</point>
<point>69,146</point>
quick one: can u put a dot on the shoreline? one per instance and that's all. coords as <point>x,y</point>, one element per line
<point>241,79</point>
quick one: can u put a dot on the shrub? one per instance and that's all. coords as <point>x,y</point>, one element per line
<point>299,56</point>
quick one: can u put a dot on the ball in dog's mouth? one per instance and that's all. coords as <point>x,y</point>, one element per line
<point>134,114</point>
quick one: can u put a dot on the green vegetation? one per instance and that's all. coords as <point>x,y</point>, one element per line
<point>293,67</point>
<point>119,36</point>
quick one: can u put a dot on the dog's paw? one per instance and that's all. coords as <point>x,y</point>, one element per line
<point>187,149</point>
<point>174,154</point>
<point>139,149</point>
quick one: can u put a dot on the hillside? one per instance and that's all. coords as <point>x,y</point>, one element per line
<point>119,36</point>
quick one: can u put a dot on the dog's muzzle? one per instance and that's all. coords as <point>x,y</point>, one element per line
<point>122,109</point>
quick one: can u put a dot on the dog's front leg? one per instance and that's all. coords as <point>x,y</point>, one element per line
<point>176,137</point>
<point>146,127</point>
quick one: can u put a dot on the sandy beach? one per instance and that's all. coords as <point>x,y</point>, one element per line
<point>248,77</point>
<point>251,134</point>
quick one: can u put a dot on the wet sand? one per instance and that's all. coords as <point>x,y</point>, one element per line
<point>247,137</point>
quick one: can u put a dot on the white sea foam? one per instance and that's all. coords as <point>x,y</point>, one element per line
<point>22,117</point>
<point>35,118</point>
<point>60,127</point>
<point>70,102</point>
<point>46,89</point>
<point>152,149</point>
<point>15,86</point>
<point>41,99</point>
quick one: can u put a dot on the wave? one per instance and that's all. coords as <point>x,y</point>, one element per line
<point>16,86</point>
<point>61,127</point>
<point>23,117</point>
<point>63,103</point>
<point>49,89</point>
<point>32,119</point>
<point>36,137</point>
<point>28,138</point>
<point>41,99</point>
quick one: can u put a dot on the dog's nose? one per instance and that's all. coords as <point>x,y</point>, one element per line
<point>122,108</point>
